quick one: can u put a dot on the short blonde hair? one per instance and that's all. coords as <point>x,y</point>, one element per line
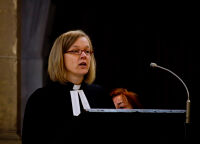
<point>56,67</point>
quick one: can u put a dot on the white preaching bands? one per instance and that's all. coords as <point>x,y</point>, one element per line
<point>75,93</point>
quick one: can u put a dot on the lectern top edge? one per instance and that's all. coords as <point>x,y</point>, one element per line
<point>99,110</point>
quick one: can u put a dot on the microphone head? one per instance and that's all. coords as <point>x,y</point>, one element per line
<point>153,65</point>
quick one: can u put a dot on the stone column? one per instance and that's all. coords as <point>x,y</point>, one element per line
<point>9,72</point>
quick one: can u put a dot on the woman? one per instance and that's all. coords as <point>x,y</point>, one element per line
<point>52,113</point>
<point>124,99</point>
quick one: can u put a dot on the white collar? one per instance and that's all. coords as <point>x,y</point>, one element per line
<point>75,100</point>
<point>76,87</point>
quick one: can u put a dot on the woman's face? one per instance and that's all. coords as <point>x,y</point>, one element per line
<point>77,59</point>
<point>121,102</point>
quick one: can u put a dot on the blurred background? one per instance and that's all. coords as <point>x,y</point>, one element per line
<point>126,37</point>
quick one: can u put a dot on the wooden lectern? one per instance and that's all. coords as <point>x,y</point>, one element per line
<point>133,125</point>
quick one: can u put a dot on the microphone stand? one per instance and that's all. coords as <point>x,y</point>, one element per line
<point>187,121</point>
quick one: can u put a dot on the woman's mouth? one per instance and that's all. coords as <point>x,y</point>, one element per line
<point>83,64</point>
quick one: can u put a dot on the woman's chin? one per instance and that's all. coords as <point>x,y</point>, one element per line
<point>83,72</point>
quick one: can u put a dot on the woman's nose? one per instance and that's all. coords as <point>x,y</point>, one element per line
<point>83,54</point>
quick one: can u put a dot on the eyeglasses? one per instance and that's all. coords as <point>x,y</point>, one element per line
<point>79,52</point>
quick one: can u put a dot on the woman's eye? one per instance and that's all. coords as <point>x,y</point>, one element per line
<point>87,51</point>
<point>75,51</point>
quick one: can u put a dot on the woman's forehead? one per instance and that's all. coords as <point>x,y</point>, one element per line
<point>81,42</point>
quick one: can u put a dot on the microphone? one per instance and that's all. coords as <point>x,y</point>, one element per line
<point>154,65</point>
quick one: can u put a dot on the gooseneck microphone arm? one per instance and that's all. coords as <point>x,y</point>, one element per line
<point>154,65</point>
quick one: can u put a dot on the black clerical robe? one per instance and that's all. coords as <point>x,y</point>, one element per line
<point>48,116</point>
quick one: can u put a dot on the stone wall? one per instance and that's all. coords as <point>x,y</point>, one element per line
<point>9,72</point>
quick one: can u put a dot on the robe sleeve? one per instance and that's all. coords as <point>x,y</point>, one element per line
<point>36,128</point>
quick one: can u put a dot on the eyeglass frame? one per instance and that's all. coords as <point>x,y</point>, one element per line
<point>79,52</point>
